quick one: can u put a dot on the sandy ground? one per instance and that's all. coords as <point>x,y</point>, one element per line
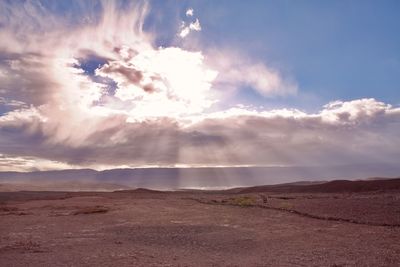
<point>199,229</point>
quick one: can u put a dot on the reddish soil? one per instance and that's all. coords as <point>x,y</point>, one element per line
<point>147,228</point>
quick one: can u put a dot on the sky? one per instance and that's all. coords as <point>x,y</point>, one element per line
<point>116,84</point>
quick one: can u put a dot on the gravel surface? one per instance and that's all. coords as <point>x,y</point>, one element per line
<point>197,229</point>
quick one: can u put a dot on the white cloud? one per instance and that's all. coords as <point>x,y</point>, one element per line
<point>156,87</point>
<point>12,103</point>
<point>189,12</point>
<point>150,81</point>
<point>149,106</point>
<point>236,71</point>
<point>184,31</point>
<point>16,163</point>
<point>186,28</point>
<point>354,112</point>
<point>195,26</point>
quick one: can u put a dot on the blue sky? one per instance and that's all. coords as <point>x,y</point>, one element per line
<point>333,49</point>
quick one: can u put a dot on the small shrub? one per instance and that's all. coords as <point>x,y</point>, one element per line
<point>285,205</point>
<point>244,201</point>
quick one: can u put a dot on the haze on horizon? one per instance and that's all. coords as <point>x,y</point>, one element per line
<point>114,84</point>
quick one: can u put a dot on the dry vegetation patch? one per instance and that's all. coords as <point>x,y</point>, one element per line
<point>26,246</point>
<point>243,201</point>
<point>91,210</point>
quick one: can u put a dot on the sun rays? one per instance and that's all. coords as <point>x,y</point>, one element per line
<point>92,87</point>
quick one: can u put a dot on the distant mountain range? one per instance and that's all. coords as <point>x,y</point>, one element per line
<point>202,178</point>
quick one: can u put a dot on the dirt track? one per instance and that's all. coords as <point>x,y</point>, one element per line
<point>196,229</point>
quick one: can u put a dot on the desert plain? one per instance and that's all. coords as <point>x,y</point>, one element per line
<point>339,223</point>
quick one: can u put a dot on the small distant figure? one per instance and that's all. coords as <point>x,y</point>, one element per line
<point>264,199</point>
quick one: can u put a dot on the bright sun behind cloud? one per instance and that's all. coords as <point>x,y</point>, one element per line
<point>99,93</point>
<point>169,82</point>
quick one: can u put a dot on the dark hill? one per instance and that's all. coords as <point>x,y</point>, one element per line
<point>337,186</point>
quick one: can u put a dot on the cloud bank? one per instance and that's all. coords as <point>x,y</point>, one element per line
<point>360,131</point>
<point>97,93</point>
